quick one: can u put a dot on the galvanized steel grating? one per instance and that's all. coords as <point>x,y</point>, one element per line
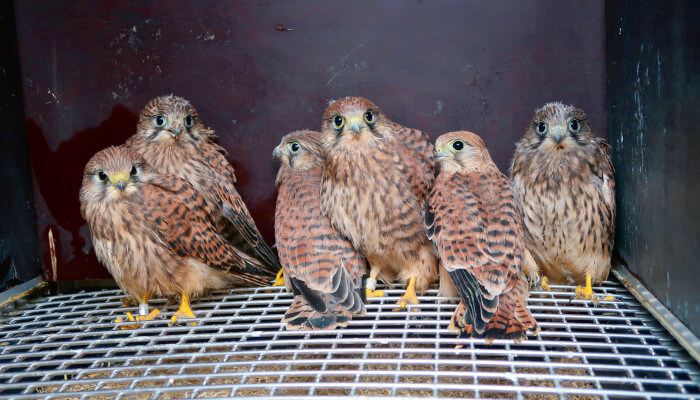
<point>67,347</point>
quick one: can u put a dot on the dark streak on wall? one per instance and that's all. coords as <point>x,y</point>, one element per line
<point>653,98</point>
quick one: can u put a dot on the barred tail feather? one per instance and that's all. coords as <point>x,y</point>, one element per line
<point>301,316</point>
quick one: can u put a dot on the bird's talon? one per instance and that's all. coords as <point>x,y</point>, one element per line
<point>545,284</point>
<point>279,279</point>
<point>374,293</point>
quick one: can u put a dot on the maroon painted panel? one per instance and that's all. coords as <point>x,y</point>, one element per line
<point>257,70</point>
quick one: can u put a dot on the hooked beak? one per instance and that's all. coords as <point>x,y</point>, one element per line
<point>558,133</point>
<point>174,130</point>
<point>440,155</point>
<point>355,125</point>
<point>277,152</point>
<point>120,181</point>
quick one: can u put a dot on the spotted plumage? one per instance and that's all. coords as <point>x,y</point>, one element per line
<point>563,177</point>
<point>375,181</point>
<point>473,222</point>
<point>155,234</point>
<point>321,266</point>
<point>172,138</point>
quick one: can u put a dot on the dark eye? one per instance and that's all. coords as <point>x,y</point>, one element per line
<point>102,176</point>
<point>134,170</point>
<point>159,121</point>
<point>338,122</point>
<point>189,121</point>
<point>574,126</point>
<point>542,128</point>
<point>295,147</point>
<point>458,145</point>
<point>369,117</point>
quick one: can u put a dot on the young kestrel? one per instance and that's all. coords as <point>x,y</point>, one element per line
<point>155,233</point>
<point>321,266</point>
<point>173,139</point>
<point>472,219</point>
<point>564,180</point>
<point>375,182</point>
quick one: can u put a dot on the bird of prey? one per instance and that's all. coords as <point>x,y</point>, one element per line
<point>156,234</point>
<point>564,181</point>
<point>321,266</point>
<point>172,138</point>
<point>473,222</point>
<point>375,181</point>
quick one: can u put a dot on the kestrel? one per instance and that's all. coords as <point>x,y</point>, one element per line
<point>321,266</point>
<point>375,181</point>
<point>474,224</point>
<point>173,139</point>
<point>155,233</point>
<point>564,180</point>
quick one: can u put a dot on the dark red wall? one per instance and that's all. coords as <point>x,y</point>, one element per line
<point>257,70</point>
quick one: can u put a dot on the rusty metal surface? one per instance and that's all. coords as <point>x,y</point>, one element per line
<point>257,70</point>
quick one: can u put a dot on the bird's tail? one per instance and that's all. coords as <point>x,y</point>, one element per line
<point>252,272</point>
<point>301,316</point>
<point>313,309</point>
<point>511,319</point>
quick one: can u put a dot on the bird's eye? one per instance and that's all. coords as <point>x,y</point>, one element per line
<point>294,147</point>
<point>134,170</point>
<point>189,121</point>
<point>159,121</point>
<point>458,145</point>
<point>338,122</point>
<point>101,176</point>
<point>369,117</point>
<point>574,126</point>
<point>542,128</point>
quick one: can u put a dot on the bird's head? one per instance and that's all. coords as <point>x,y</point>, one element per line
<point>298,151</point>
<point>352,122</point>
<point>461,151</point>
<point>171,120</point>
<point>113,174</point>
<point>557,127</point>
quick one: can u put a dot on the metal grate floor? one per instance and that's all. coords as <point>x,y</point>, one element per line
<point>67,347</point>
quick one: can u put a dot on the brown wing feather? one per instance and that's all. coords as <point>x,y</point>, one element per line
<point>183,221</point>
<point>418,159</point>
<point>233,207</point>
<point>323,266</point>
<point>472,220</point>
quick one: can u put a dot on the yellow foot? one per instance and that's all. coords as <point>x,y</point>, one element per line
<point>126,302</point>
<point>586,293</point>
<point>279,279</point>
<point>138,318</point>
<point>409,296</point>
<point>545,284</point>
<point>185,311</point>
<point>371,287</point>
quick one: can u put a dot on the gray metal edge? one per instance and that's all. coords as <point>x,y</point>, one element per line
<point>21,290</point>
<point>680,332</point>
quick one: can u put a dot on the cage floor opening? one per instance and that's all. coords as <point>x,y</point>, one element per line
<point>68,347</point>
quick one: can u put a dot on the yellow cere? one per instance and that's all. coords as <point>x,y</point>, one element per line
<point>120,176</point>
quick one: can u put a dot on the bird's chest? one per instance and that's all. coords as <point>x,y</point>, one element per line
<point>364,198</point>
<point>557,207</point>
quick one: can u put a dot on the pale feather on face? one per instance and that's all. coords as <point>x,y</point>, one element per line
<point>112,174</point>
<point>169,120</point>
<point>298,151</point>
<point>354,124</point>
<point>461,151</point>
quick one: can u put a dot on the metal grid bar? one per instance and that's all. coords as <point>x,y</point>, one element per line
<point>67,347</point>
